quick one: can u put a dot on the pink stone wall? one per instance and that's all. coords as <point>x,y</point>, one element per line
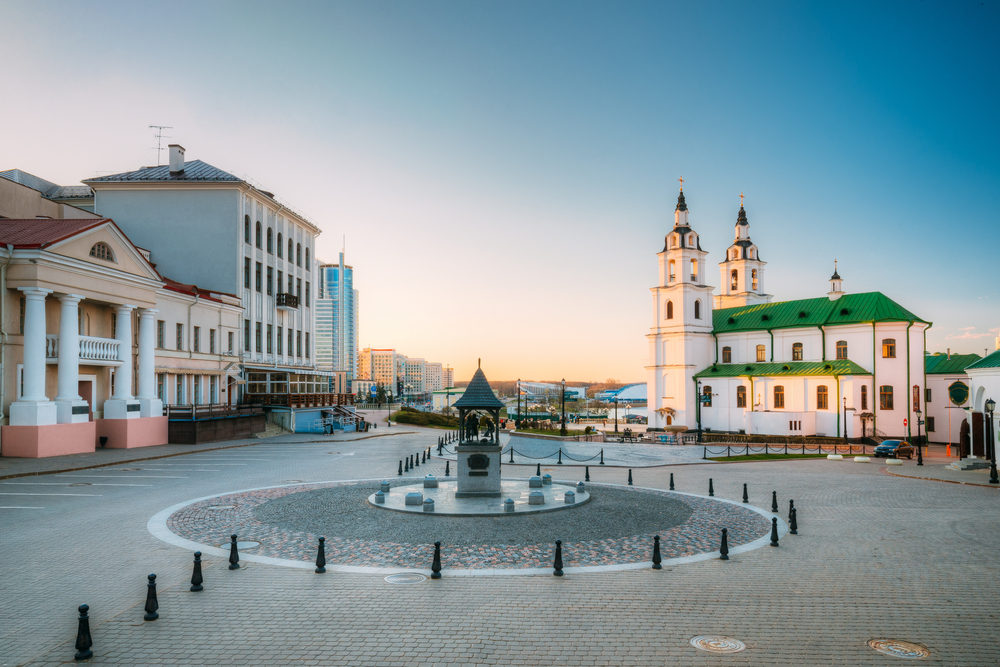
<point>52,440</point>
<point>131,433</point>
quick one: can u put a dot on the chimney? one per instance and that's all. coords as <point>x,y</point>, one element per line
<point>949,354</point>
<point>176,159</point>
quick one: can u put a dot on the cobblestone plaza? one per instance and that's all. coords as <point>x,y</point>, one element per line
<point>877,557</point>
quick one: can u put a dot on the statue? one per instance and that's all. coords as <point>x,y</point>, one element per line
<point>472,427</point>
<point>490,429</point>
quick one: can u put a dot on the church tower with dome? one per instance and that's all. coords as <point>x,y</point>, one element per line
<point>742,271</point>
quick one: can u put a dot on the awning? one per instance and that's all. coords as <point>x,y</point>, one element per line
<point>189,371</point>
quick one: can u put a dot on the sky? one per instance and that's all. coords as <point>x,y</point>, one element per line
<point>504,172</point>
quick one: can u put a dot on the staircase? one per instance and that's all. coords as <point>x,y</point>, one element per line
<point>271,431</point>
<point>968,464</point>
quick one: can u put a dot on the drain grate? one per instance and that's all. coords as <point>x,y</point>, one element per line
<point>898,648</point>
<point>406,578</point>
<point>717,644</point>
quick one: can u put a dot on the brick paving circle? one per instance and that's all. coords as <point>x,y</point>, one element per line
<point>615,528</point>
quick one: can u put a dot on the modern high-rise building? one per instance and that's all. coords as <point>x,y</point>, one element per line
<point>337,319</point>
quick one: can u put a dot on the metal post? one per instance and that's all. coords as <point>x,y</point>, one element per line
<point>920,455</point>
<point>992,443</point>
<point>562,429</point>
<point>616,413</point>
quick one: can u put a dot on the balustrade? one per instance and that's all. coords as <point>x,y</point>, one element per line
<point>93,350</point>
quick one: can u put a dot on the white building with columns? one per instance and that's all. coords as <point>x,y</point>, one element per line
<point>737,362</point>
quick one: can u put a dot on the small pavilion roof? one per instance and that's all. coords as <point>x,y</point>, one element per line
<point>479,395</point>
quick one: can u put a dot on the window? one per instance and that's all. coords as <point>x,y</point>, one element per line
<point>21,325</point>
<point>259,276</point>
<point>307,295</point>
<point>753,277</point>
<point>727,355</point>
<point>697,310</point>
<point>889,348</point>
<point>298,287</point>
<point>734,280</point>
<point>307,345</point>
<point>916,398</point>
<point>307,261</point>
<point>270,280</point>
<point>161,333</point>
<point>196,380</point>
<point>796,351</point>
<point>290,284</point>
<point>298,343</point>
<point>213,389</point>
<point>291,341</point>
<point>291,250</point>
<point>761,353</point>
<point>246,335</point>
<point>231,350</point>
<point>930,425</point>
<point>927,395</point>
<point>779,397</point>
<point>841,349</point>
<point>864,397</point>
<point>269,334</point>
<point>281,279</point>
<point>102,251</point>
<point>180,337</point>
<point>114,325</point>
<point>211,341</point>
<point>691,241</point>
<point>670,310</point>
<point>671,265</point>
<point>246,229</point>
<point>259,229</point>
<point>270,241</point>
<point>246,272</point>
<point>706,392</point>
<point>822,398</point>
<point>197,339</point>
<point>694,270</point>
<point>281,333</point>
<point>885,397</point>
<point>258,338</point>
<point>179,390</point>
<point>280,250</point>
<point>161,386</point>
<point>298,254</point>
<point>741,397</point>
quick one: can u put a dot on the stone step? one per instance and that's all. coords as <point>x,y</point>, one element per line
<point>271,430</point>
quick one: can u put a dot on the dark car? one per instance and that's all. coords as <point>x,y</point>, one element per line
<point>894,449</point>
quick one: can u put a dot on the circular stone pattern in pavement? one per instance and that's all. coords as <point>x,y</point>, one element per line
<point>615,528</point>
<point>898,648</point>
<point>716,644</point>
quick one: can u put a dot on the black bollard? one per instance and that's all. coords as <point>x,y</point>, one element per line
<point>560,456</point>
<point>436,566</point>
<point>711,489</point>
<point>234,554</point>
<point>774,501</point>
<point>83,638</point>
<point>587,478</point>
<point>406,464</point>
<point>671,481</point>
<point>196,578</point>
<point>321,557</point>
<point>401,467</point>
<point>724,547</point>
<point>602,456</point>
<point>746,498</point>
<point>511,454</point>
<point>656,553</point>
<point>774,531</point>
<point>151,604</point>
<point>416,460</point>
<point>793,526</point>
<point>557,565</point>
<point>630,477</point>
<point>440,447</point>
<point>538,470</point>
<point>791,508</point>
<point>447,468</point>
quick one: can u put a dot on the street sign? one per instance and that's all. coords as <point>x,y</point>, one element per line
<point>920,422</point>
<point>904,422</point>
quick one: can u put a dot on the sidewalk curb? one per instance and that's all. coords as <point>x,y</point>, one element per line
<point>935,479</point>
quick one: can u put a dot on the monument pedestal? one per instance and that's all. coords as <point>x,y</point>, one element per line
<point>478,471</point>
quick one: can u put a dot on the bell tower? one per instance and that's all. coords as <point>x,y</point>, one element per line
<point>680,340</point>
<point>742,271</point>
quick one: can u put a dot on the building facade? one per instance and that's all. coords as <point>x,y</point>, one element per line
<point>337,319</point>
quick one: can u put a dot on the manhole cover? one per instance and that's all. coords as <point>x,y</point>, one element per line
<point>81,484</point>
<point>898,648</point>
<point>406,578</point>
<point>716,644</point>
<point>220,507</point>
<point>240,545</point>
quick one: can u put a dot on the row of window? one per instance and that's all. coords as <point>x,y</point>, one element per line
<point>180,389</point>
<point>294,249</point>
<point>196,343</point>
<point>822,397</point>
<point>259,282</point>
<point>697,310</point>
<point>888,347</point>
<point>294,339</point>
<point>734,277</point>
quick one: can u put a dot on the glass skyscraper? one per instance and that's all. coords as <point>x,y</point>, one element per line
<point>337,320</point>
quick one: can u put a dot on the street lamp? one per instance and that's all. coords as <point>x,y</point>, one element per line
<point>616,413</point>
<point>562,429</point>
<point>992,443</point>
<point>517,422</point>
<point>920,456</point>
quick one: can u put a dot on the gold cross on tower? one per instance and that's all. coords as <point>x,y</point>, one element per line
<point>741,200</point>
<point>681,179</point>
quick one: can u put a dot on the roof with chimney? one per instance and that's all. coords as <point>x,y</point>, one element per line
<point>948,364</point>
<point>194,170</point>
<point>479,395</point>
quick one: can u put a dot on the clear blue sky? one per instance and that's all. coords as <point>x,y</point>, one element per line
<point>518,160</point>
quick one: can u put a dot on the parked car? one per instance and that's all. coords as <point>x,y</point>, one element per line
<point>894,449</point>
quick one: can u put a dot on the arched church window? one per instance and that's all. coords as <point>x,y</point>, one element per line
<point>779,397</point>
<point>727,355</point>
<point>691,241</point>
<point>761,353</point>
<point>822,398</point>
<point>751,253</point>
<point>864,397</point>
<point>671,270</point>
<point>753,277</point>
<point>889,348</point>
<point>885,397</point>
<point>697,310</point>
<point>741,396</point>
<point>841,349</point>
<point>670,310</point>
<point>694,270</point>
<point>796,351</point>
<point>102,251</point>
<point>734,279</point>
<point>706,402</point>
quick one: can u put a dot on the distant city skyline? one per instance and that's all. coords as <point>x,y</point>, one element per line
<point>505,173</point>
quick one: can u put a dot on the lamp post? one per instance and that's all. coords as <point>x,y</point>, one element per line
<point>992,443</point>
<point>845,419</point>
<point>388,409</point>
<point>562,428</point>
<point>920,455</point>
<point>616,413</point>
<point>517,422</point>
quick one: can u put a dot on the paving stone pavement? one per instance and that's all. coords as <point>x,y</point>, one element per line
<point>877,556</point>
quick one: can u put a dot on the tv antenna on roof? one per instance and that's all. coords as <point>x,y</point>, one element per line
<point>159,137</point>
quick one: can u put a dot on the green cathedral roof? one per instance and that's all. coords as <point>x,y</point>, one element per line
<point>940,364</point>
<point>989,361</point>
<point>832,367</point>
<point>848,309</point>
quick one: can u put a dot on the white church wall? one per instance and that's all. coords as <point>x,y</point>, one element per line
<point>940,407</point>
<point>781,423</point>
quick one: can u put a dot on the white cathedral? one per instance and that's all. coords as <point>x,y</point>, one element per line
<point>738,362</point>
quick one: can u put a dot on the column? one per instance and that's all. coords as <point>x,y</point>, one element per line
<point>117,407</point>
<point>149,404</point>
<point>33,408</point>
<point>68,395</point>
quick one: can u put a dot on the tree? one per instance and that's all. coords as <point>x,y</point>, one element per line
<point>380,394</point>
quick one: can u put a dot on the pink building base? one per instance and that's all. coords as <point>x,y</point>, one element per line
<point>53,440</point>
<point>131,433</point>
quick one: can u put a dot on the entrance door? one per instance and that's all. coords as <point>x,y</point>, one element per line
<point>978,435</point>
<point>230,388</point>
<point>86,390</point>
